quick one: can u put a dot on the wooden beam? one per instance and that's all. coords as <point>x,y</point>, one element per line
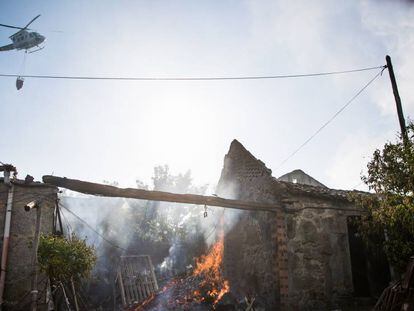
<point>111,191</point>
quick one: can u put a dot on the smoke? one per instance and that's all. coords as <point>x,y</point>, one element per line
<point>109,217</point>
<point>173,234</point>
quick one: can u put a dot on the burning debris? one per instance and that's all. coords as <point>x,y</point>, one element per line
<point>201,290</point>
<point>176,238</point>
<point>208,267</point>
<point>204,289</point>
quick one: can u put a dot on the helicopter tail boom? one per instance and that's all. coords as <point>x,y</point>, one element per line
<point>7,47</point>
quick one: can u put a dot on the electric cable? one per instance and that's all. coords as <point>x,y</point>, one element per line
<point>93,229</point>
<point>287,76</point>
<point>213,230</point>
<point>68,225</point>
<point>332,118</point>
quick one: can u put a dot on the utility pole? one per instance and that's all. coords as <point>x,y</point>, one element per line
<point>397,99</point>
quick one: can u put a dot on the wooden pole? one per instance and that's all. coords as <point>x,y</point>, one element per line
<point>397,99</point>
<point>74,294</point>
<point>65,296</point>
<point>122,288</point>
<point>111,191</point>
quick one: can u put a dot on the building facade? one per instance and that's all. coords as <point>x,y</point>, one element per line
<point>297,258</point>
<point>22,231</point>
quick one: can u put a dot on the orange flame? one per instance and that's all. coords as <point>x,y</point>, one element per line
<point>209,267</point>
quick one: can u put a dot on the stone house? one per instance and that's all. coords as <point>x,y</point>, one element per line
<point>302,257</point>
<point>22,228</point>
<point>305,255</point>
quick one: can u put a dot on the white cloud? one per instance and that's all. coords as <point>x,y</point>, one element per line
<point>351,158</point>
<point>392,23</point>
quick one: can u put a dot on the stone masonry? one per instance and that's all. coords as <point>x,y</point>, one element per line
<point>296,258</point>
<point>19,271</point>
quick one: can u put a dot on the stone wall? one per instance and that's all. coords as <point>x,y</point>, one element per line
<point>249,258</point>
<point>18,272</point>
<point>320,275</point>
<point>251,246</point>
<point>296,258</point>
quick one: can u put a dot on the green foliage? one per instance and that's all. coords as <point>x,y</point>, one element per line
<point>166,222</point>
<point>61,258</point>
<point>390,214</point>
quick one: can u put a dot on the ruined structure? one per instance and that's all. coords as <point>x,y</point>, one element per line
<point>297,258</point>
<point>290,243</point>
<point>22,229</point>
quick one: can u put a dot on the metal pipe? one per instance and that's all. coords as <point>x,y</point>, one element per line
<point>34,292</point>
<point>6,236</point>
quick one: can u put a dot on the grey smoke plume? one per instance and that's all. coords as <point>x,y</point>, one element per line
<point>172,234</point>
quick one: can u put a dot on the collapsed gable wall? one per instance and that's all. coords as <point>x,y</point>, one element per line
<point>251,247</point>
<point>293,260</point>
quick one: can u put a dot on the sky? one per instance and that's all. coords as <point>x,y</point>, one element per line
<point>118,131</point>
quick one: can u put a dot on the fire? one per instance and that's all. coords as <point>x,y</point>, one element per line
<point>206,286</point>
<point>209,268</point>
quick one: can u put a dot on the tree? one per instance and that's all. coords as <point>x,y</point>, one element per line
<point>166,222</point>
<point>389,221</point>
<point>62,259</point>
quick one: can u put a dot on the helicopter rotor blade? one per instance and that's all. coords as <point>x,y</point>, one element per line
<point>14,27</point>
<point>25,27</point>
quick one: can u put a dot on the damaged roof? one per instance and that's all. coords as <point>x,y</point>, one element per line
<point>239,162</point>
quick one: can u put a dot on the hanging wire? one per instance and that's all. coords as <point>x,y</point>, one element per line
<point>68,226</point>
<point>287,76</point>
<point>213,230</point>
<point>93,229</point>
<point>332,118</point>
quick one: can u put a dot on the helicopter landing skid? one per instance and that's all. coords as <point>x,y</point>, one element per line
<point>39,48</point>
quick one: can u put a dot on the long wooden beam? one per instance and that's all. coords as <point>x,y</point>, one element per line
<point>111,191</point>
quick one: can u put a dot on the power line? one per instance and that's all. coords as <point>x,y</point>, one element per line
<point>191,78</point>
<point>215,226</point>
<point>68,226</point>
<point>332,118</point>
<point>93,229</point>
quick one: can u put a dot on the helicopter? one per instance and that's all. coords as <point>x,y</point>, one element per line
<point>24,39</point>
